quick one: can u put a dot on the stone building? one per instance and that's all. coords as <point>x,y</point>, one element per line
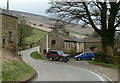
<point>8,31</point>
<point>59,39</point>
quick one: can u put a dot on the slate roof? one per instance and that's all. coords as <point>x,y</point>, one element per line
<point>76,39</point>
<point>8,13</point>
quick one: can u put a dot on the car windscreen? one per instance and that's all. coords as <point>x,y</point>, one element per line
<point>50,52</point>
<point>60,52</point>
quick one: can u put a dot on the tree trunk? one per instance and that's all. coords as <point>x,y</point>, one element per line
<point>108,42</point>
<point>108,49</point>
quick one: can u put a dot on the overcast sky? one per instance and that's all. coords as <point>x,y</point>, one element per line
<point>31,6</point>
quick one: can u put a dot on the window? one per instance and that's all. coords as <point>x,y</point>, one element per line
<point>10,38</point>
<point>44,51</point>
<point>53,42</point>
<point>60,52</point>
<point>3,43</point>
<point>87,53</point>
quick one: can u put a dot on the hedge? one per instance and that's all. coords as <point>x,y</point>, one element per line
<point>102,57</point>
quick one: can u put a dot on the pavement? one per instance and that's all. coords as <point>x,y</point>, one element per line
<point>71,71</point>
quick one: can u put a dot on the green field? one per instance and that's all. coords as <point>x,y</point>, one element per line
<point>36,36</point>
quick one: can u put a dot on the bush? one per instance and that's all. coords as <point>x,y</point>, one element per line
<point>72,52</point>
<point>105,58</point>
<point>115,60</point>
<point>116,53</point>
<point>102,57</point>
<point>98,56</point>
<point>41,25</point>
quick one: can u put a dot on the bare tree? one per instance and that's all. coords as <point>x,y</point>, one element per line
<point>24,30</point>
<point>103,17</point>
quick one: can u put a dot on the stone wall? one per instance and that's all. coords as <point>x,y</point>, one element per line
<point>91,41</point>
<point>9,24</point>
<point>0,30</point>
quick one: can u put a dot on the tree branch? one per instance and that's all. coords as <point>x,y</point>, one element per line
<point>97,5</point>
<point>113,14</point>
<point>117,24</point>
<point>90,19</point>
<point>104,16</point>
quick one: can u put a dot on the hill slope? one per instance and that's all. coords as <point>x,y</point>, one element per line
<point>38,19</point>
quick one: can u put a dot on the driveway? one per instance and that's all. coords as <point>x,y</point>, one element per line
<point>58,72</point>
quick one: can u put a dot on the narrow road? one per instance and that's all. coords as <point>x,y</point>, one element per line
<point>58,72</point>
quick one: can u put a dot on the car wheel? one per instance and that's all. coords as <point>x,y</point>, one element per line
<point>78,59</point>
<point>92,58</point>
<point>65,60</point>
<point>61,59</point>
<point>50,59</point>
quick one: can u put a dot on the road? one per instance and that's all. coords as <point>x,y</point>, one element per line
<point>58,72</point>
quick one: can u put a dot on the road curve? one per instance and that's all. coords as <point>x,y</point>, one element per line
<point>58,72</point>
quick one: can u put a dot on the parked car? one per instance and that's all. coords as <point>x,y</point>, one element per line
<point>57,55</point>
<point>85,56</point>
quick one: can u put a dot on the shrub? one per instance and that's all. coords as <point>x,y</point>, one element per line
<point>72,52</point>
<point>115,60</point>
<point>116,53</point>
<point>106,58</point>
<point>98,56</point>
<point>102,57</point>
<point>41,25</point>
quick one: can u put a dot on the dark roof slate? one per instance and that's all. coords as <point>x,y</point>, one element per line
<point>76,39</point>
<point>8,13</point>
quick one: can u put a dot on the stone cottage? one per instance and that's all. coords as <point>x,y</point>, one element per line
<point>59,39</point>
<point>8,31</point>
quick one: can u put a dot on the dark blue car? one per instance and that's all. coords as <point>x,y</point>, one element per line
<point>85,56</point>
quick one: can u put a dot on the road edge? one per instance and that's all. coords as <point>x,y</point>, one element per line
<point>35,75</point>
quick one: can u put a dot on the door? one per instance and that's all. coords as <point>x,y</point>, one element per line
<point>85,56</point>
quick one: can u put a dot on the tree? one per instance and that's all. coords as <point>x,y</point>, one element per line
<point>24,30</point>
<point>103,17</point>
<point>117,40</point>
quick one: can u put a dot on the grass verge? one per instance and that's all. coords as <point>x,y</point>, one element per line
<point>36,55</point>
<point>16,70</point>
<point>103,64</point>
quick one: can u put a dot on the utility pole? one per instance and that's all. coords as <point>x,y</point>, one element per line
<point>7,5</point>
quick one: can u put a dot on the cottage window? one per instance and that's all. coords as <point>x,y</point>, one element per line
<point>3,43</point>
<point>53,42</point>
<point>10,37</point>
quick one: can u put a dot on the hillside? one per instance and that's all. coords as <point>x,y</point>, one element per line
<point>38,20</point>
<point>36,36</point>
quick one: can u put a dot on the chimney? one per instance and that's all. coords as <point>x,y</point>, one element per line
<point>7,5</point>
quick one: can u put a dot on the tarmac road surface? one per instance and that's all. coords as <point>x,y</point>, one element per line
<point>58,72</point>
